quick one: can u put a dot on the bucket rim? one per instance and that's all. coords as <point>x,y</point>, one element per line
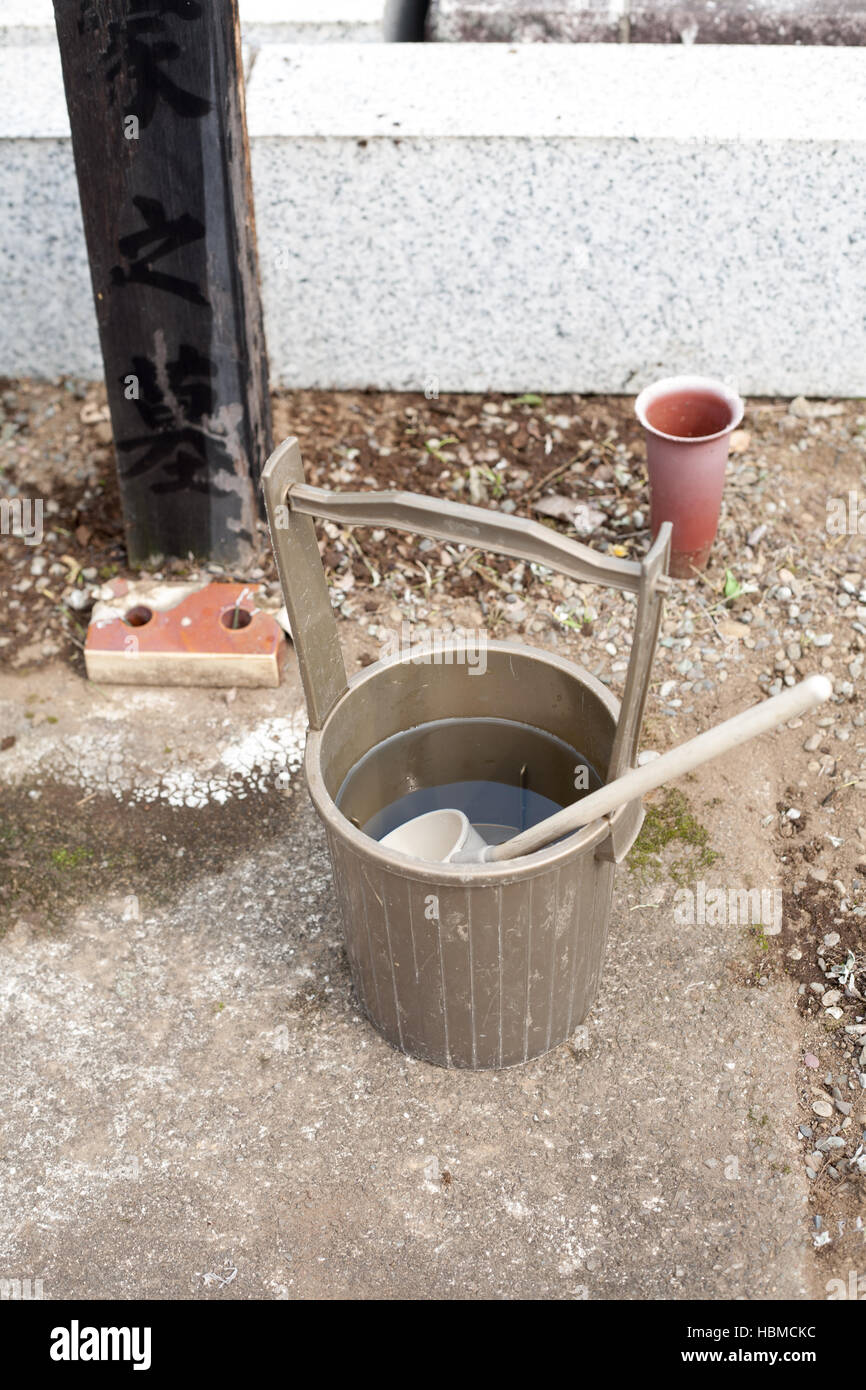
<point>553,856</point>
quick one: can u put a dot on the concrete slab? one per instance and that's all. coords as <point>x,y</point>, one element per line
<point>201,1110</point>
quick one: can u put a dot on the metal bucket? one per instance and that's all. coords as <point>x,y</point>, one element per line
<point>483,965</point>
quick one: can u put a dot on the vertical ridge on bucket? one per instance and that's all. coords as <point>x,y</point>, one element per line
<point>528,993</point>
<point>553,940</point>
<point>472,1021</point>
<point>567,931</point>
<point>593,945</point>
<point>501,960</point>
<point>399,920</point>
<point>599,939</point>
<point>539,955</point>
<point>514,915</point>
<point>359,960</point>
<point>456,973</point>
<point>442,996</point>
<point>368,955</point>
<point>397,1018</point>
<point>484,932</point>
<point>579,951</point>
<point>380,956</point>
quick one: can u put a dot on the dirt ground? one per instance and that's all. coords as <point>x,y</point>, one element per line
<point>189,1087</point>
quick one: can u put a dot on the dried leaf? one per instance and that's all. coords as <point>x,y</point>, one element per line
<point>581,515</point>
<point>556,506</point>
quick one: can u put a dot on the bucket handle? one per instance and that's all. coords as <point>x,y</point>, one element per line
<point>291,505</point>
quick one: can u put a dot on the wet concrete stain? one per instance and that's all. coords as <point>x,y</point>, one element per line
<point>59,850</point>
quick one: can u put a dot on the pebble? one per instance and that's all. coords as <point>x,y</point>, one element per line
<point>812,743</point>
<point>823,1108</point>
<point>832,996</point>
<point>806,1131</point>
<point>811,1060</point>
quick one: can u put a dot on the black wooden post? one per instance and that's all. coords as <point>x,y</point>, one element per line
<point>155,96</point>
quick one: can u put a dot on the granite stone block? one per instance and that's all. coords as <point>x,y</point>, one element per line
<point>554,217</point>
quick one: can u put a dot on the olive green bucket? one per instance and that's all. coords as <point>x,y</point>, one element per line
<point>483,965</point>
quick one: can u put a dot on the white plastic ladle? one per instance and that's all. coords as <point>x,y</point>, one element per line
<point>427,836</point>
<point>437,835</point>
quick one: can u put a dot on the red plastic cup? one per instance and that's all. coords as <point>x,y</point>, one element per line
<point>687,423</point>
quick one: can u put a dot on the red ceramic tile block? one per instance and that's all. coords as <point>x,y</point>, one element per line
<point>164,634</point>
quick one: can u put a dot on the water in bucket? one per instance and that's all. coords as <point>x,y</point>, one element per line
<point>504,776</point>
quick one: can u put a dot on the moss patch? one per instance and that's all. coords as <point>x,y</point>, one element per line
<point>760,935</point>
<point>669,823</point>
<point>58,851</point>
<point>71,858</point>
